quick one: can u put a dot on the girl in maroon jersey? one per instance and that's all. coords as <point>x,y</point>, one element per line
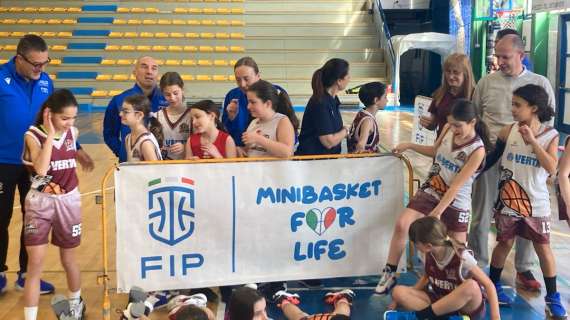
<point>53,203</point>
<point>452,281</point>
<point>208,139</point>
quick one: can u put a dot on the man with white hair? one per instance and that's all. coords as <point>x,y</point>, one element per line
<point>493,97</point>
<point>146,76</point>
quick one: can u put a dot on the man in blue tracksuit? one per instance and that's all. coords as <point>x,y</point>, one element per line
<point>24,86</point>
<point>114,132</point>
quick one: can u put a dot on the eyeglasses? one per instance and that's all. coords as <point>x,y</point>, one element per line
<point>35,65</point>
<point>127,111</point>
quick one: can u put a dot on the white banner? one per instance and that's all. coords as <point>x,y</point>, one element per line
<point>421,135</point>
<point>548,5</point>
<point>208,224</point>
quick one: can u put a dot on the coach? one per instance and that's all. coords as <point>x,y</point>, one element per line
<point>146,76</point>
<point>24,86</point>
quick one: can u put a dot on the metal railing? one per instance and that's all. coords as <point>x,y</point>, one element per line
<point>384,34</point>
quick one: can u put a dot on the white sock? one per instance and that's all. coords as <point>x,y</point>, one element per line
<point>74,297</point>
<point>30,313</point>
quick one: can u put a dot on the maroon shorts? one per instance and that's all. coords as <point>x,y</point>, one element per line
<point>535,229</point>
<point>59,213</point>
<point>477,314</point>
<point>454,219</point>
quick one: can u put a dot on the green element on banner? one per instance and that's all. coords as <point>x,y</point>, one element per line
<point>312,219</point>
<point>153,182</point>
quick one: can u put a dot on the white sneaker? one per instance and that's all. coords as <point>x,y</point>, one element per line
<point>199,300</point>
<point>77,307</point>
<point>386,283</point>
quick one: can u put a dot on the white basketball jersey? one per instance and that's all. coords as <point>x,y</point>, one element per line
<point>134,152</point>
<point>267,129</point>
<point>522,186</point>
<point>175,130</point>
<point>449,160</point>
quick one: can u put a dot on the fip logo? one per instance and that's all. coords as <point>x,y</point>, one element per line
<point>170,209</point>
<point>171,220</point>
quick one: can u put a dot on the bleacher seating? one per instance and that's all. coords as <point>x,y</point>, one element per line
<point>117,41</point>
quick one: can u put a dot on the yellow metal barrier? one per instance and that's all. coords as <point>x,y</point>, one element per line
<point>104,278</point>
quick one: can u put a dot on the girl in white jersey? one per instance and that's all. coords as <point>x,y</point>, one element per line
<point>528,155</point>
<point>446,194</point>
<point>53,204</point>
<point>272,132</point>
<point>142,143</point>
<point>174,119</point>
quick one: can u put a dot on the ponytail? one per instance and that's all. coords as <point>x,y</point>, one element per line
<point>317,84</point>
<point>285,106</point>
<point>325,77</point>
<point>483,132</point>
<point>155,128</point>
<point>430,230</point>
<point>279,99</point>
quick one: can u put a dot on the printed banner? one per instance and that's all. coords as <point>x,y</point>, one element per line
<point>548,5</point>
<point>421,135</point>
<point>208,224</point>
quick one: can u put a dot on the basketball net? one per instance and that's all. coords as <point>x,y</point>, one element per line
<point>507,19</point>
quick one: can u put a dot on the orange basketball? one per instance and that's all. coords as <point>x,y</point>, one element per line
<point>436,182</point>
<point>514,197</point>
<point>53,188</point>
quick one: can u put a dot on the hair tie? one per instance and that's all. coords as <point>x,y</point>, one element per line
<point>152,115</point>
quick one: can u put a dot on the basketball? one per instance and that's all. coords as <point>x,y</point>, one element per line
<point>515,198</point>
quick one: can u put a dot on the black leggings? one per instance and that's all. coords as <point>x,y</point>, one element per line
<point>12,176</point>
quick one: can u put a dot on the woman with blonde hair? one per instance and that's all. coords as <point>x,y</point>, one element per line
<point>457,83</point>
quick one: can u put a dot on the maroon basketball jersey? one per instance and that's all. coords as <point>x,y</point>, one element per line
<point>444,279</point>
<point>62,163</point>
<point>220,143</point>
<point>354,133</point>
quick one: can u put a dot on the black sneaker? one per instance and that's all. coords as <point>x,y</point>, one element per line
<point>312,283</point>
<point>269,289</point>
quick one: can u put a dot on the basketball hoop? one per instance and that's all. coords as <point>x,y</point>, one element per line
<point>507,18</point>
